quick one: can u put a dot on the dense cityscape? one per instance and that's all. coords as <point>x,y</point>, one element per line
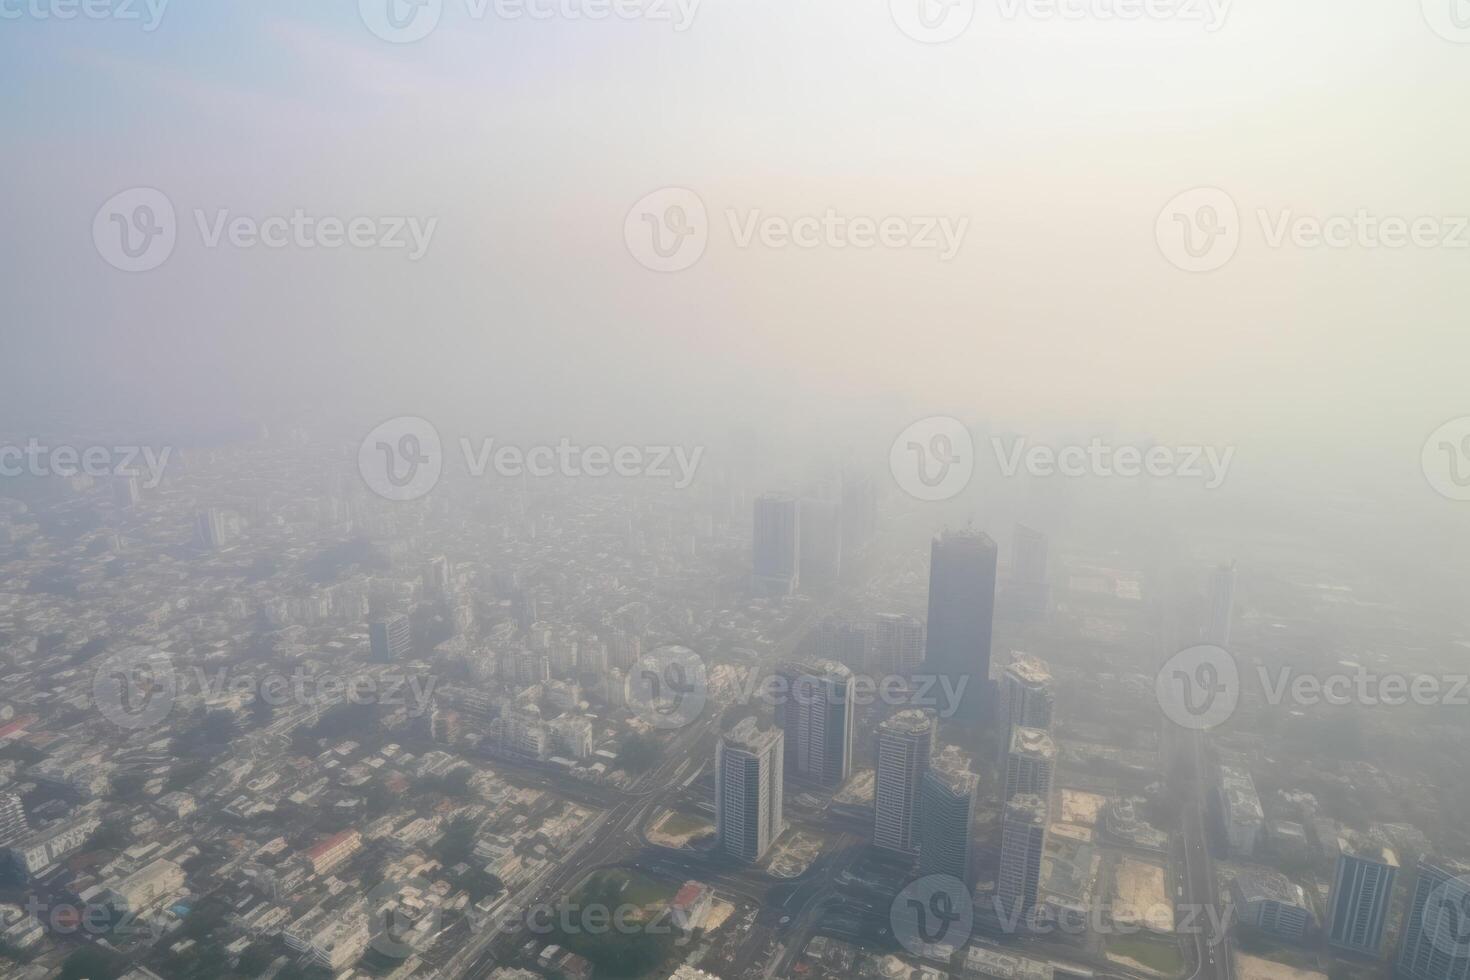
<point>264,724</point>
<point>734,490</point>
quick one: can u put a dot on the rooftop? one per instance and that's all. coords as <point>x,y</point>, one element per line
<point>913,721</point>
<point>1033,742</point>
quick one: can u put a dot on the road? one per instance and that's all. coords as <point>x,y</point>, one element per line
<point>1213,957</point>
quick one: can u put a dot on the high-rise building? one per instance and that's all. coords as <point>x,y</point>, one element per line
<point>820,521</point>
<point>13,825</point>
<point>776,551</point>
<point>1030,763</point>
<point>905,744</point>
<point>845,642</point>
<point>898,641</point>
<point>213,528</point>
<point>748,773</point>
<point>946,813</point>
<point>859,511</point>
<point>1435,945</point>
<point>1362,892</point>
<point>1022,845</point>
<point>816,718</point>
<point>1240,809</point>
<point>1025,698</point>
<point>438,574</point>
<point>1030,591</point>
<point>1028,560</point>
<point>961,610</point>
<point>390,639</point>
<point>1273,903</point>
<point>1222,604</point>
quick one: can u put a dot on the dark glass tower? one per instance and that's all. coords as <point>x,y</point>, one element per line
<point>961,611</point>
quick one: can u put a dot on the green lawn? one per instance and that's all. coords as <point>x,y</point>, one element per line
<point>1156,954</point>
<point>677,825</point>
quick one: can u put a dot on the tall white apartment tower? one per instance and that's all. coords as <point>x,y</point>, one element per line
<point>816,717</point>
<point>1022,844</point>
<point>748,770</point>
<point>905,743</point>
<point>1362,893</point>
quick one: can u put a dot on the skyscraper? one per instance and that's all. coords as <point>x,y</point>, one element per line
<point>1222,604</point>
<point>776,548</point>
<point>905,743</point>
<point>1022,844</point>
<point>1030,763</point>
<point>961,610</point>
<point>946,812</point>
<point>820,520</point>
<point>1361,893</point>
<point>1030,590</point>
<point>899,643</point>
<point>748,769</point>
<point>816,719</point>
<point>1026,699</point>
<point>390,639</point>
<point>1435,945</point>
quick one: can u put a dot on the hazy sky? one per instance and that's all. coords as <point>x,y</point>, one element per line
<point>1059,141</point>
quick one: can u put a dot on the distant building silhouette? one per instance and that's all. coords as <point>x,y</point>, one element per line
<point>961,614</point>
